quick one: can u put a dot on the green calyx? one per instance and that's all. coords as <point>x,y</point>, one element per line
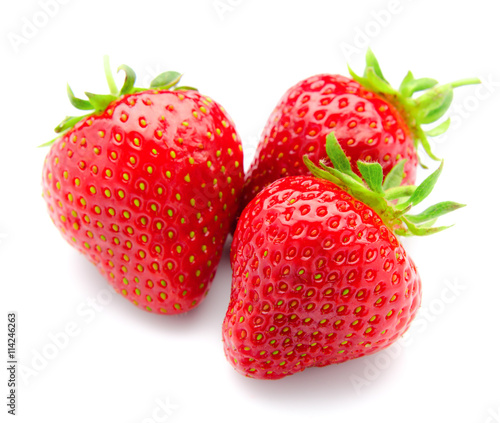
<point>427,108</point>
<point>386,196</point>
<point>98,103</point>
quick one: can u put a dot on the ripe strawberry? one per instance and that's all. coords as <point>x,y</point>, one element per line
<point>319,276</point>
<point>146,187</point>
<point>372,122</point>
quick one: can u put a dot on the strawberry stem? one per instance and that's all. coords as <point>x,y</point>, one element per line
<point>98,103</point>
<point>425,109</point>
<point>464,82</point>
<point>380,194</point>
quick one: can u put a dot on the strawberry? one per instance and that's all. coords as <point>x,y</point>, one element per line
<point>146,186</point>
<point>319,275</point>
<point>372,122</point>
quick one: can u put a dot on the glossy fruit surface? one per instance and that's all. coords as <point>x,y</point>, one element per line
<point>373,122</point>
<point>146,190</point>
<point>319,275</point>
<point>366,126</point>
<point>318,279</point>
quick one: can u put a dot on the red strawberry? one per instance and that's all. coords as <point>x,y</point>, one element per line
<point>372,121</point>
<point>319,276</point>
<point>146,187</point>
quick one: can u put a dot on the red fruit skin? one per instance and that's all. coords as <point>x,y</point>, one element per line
<point>367,127</point>
<point>317,279</point>
<point>147,192</point>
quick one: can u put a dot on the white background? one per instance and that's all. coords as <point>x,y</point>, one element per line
<point>124,365</point>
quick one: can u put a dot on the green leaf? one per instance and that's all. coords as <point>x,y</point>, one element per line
<point>369,190</point>
<point>49,143</point>
<point>361,80</point>
<point>424,189</point>
<point>354,75</point>
<point>373,175</point>
<point>400,192</point>
<point>78,102</point>
<point>420,162</point>
<point>395,176</point>
<point>185,88</point>
<point>129,82</point>
<point>404,88</point>
<point>359,191</point>
<point>422,138</point>
<point>428,224</point>
<point>422,230</point>
<point>166,80</point>
<point>425,109</point>
<point>319,173</point>
<point>435,211</point>
<point>378,84</point>
<point>440,129</point>
<point>372,62</point>
<point>100,101</point>
<point>68,122</point>
<point>416,85</point>
<point>433,105</point>
<point>338,157</point>
<point>354,187</point>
